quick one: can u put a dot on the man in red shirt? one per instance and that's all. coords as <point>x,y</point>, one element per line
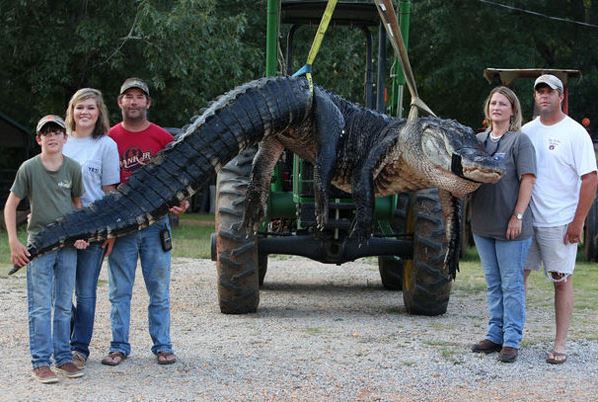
<point>138,140</point>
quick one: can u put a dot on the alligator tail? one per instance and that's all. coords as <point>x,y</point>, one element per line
<point>234,121</point>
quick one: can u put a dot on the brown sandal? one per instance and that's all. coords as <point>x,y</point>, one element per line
<point>166,357</point>
<point>554,357</point>
<point>114,358</point>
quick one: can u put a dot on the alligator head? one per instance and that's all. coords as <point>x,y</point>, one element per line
<point>456,160</point>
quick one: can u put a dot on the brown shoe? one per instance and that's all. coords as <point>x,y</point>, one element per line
<point>166,357</point>
<point>114,358</point>
<point>79,360</point>
<point>70,370</point>
<point>507,355</point>
<point>486,346</point>
<point>45,375</point>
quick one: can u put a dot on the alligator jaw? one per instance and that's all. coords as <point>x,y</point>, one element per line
<point>470,165</point>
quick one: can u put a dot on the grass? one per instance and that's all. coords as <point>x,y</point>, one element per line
<point>470,281</point>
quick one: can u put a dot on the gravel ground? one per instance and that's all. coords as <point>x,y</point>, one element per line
<point>322,333</point>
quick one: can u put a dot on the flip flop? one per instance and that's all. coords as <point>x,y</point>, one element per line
<point>114,359</point>
<point>166,357</point>
<point>556,357</point>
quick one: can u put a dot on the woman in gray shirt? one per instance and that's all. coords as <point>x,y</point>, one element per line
<point>502,225</point>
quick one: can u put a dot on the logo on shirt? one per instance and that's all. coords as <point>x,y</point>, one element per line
<point>553,143</point>
<point>65,184</point>
<point>134,158</point>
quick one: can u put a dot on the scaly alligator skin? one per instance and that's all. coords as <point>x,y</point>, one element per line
<point>356,149</point>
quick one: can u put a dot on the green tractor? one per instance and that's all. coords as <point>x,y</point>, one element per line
<point>409,240</point>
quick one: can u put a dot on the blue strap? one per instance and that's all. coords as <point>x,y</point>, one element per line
<point>303,70</point>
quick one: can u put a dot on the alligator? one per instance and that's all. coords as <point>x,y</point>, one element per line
<point>351,147</point>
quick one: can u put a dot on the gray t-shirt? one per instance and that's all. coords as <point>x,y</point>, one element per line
<point>492,205</point>
<point>50,193</point>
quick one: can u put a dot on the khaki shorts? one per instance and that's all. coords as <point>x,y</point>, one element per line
<point>549,250</point>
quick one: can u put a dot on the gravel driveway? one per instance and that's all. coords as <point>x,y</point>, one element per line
<point>322,333</point>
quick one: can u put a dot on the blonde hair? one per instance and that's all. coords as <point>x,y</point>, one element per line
<point>102,125</point>
<point>517,118</point>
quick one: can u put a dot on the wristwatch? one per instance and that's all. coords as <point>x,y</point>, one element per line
<point>519,216</point>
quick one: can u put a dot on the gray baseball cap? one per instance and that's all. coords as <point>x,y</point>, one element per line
<point>134,82</point>
<point>550,80</point>
<point>51,118</point>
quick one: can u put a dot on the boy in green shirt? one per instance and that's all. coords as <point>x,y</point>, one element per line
<point>52,183</point>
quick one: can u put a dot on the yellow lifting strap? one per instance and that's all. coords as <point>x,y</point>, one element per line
<point>315,46</point>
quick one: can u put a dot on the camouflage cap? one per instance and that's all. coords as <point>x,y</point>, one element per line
<point>51,118</point>
<point>134,82</point>
<point>551,80</point>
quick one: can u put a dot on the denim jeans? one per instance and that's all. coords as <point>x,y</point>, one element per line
<point>503,262</point>
<point>155,267</point>
<point>50,282</point>
<point>89,264</point>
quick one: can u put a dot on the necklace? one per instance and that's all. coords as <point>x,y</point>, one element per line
<point>493,139</point>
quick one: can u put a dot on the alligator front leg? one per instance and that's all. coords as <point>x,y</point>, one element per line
<point>363,187</point>
<point>363,196</point>
<point>256,199</point>
<point>451,208</point>
<point>329,123</point>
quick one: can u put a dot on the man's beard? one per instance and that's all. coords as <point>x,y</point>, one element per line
<point>135,117</point>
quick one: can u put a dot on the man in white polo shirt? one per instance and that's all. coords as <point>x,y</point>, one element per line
<point>564,191</point>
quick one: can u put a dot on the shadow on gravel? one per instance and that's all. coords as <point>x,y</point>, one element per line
<point>323,287</point>
<point>335,313</point>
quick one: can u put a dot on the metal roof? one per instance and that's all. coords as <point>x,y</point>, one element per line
<point>508,75</point>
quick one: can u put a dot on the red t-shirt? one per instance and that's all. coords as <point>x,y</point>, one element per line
<point>135,149</point>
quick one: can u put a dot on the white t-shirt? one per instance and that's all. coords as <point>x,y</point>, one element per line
<point>99,162</point>
<point>564,153</point>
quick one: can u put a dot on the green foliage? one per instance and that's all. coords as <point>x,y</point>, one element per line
<point>191,51</point>
<point>452,42</point>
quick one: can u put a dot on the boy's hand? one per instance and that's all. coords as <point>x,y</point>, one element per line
<point>108,244</point>
<point>179,209</point>
<point>81,244</point>
<point>19,256</point>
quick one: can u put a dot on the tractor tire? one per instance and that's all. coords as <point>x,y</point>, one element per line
<point>426,282</point>
<point>391,272</point>
<point>262,265</point>
<point>391,267</point>
<point>237,255</point>
<point>591,233</point>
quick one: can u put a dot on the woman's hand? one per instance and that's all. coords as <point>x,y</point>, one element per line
<point>181,208</point>
<point>514,228</point>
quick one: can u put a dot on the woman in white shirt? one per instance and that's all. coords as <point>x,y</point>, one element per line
<point>88,143</point>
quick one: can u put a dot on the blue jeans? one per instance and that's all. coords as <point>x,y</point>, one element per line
<point>503,262</point>
<point>50,282</point>
<point>89,264</point>
<point>155,266</point>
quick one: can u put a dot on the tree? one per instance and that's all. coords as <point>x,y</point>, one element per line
<point>452,42</point>
<point>184,49</point>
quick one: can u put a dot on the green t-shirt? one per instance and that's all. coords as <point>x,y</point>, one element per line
<point>50,193</point>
